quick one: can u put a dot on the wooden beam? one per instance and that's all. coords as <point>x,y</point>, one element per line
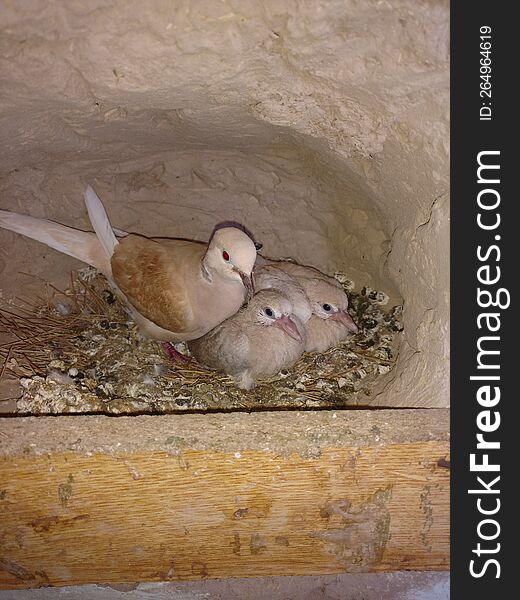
<point>114,500</point>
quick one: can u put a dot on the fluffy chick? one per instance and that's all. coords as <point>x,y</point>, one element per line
<point>330,322</point>
<point>257,342</point>
<point>269,277</point>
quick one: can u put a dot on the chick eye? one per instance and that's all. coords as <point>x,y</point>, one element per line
<point>225,256</point>
<point>269,312</point>
<point>327,307</point>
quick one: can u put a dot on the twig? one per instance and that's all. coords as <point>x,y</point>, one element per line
<point>5,363</point>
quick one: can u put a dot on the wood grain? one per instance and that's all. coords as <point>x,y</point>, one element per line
<point>71,518</point>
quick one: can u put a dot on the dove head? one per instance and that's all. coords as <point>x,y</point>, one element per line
<point>329,301</point>
<point>231,254</point>
<point>272,309</point>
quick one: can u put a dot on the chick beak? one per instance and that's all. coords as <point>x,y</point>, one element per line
<point>344,318</point>
<point>289,326</point>
<point>247,280</point>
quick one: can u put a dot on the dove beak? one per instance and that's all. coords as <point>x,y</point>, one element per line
<point>345,319</point>
<point>289,326</point>
<point>247,280</point>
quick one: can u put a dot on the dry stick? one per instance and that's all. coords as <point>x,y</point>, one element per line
<point>12,327</point>
<point>9,329</point>
<point>74,293</point>
<point>22,323</point>
<point>24,329</point>
<point>5,363</point>
<point>372,358</point>
<point>14,314</point>
<point>34,319</point>
<point>23,300</point>
<point>34,367</point>
<point>86,294</point>
<point>97,298</point>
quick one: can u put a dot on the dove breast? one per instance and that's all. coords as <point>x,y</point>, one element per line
<point>256,343</point>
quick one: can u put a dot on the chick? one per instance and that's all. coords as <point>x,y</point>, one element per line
<point>330,322</point>
<point>270,277</point>
<point>256,343</point>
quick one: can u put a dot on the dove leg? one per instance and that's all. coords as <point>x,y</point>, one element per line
<point>174,354</point>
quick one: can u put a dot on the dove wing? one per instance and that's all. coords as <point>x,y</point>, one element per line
<point>157,279</point>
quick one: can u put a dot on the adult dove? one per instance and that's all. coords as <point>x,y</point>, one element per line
<point>176,290</point>
<point>260,340</point>
<point>330,322</point>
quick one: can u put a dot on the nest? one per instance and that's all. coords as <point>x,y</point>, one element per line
<point>77,351</point>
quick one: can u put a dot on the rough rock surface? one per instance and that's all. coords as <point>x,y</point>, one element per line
<point>322,125</point>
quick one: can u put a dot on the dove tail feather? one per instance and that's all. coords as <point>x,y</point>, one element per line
<point>100,223</point>
<point>80,244</point>
<point>119,232</point>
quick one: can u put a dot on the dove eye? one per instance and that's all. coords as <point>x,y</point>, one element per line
<point>225,256</point>
<point>269,312</point>
<point>327,307</point>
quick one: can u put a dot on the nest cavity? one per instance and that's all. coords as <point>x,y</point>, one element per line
<point>77,351</point>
